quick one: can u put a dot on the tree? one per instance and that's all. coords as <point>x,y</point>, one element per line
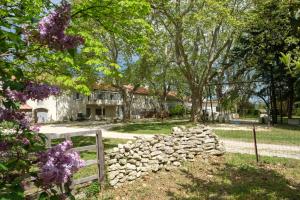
<point>200,31</point>
<point>260,48</point>
<point>20,143</point>
<point>161,71</point>
<point>292,58</point>
<point>54,50</point>
<point>120,27</point>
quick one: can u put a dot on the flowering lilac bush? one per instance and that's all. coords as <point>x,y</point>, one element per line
<point>11,115</point>
<point>20,143</point>
<point>58,164</point>
<point>15,95</point>
<point>52,29</point>
<point>34,91</point>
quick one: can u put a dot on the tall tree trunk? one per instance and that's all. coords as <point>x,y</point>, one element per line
<point>196,103</point>
<point>273,98</point>
<point>126,106</point>
<point>162,105</point>
<point>290,97</point>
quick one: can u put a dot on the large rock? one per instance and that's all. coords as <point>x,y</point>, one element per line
<point>130,166</point>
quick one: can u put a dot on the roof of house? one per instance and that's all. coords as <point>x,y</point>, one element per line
<point>106,87</point>
<point>139,90</point>
<point>25,107</point>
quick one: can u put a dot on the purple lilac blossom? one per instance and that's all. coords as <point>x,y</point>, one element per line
<point>52,29</point>
<point>16,96</point>
<point>25,141</point>
<point>11,115</point>
<point>35,91</point>
<point>39,91</point>
<point>3,145</point>
<point>35,128</point>
<point>58,164</point>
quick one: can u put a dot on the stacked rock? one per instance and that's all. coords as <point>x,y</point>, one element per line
<point>132,160</point>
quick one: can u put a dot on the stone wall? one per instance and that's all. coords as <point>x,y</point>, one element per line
<point>130,161</point>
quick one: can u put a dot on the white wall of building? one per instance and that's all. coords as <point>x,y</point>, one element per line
<point>59,108</point>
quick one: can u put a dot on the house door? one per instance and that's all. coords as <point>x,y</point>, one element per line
<point>41,115</point>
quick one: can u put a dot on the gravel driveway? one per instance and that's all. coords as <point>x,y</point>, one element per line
<point>287,151</point>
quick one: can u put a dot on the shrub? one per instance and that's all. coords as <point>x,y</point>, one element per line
<point>297,111</point>
<point>177,110</point>
<point>92,190</point>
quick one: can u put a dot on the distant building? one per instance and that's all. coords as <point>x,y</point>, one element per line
<point>208,107</point>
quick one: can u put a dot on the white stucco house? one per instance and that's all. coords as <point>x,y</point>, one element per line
<point>104,103</point>
<point>208,107</point>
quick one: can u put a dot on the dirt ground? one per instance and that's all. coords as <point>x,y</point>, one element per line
<point>215,178</point>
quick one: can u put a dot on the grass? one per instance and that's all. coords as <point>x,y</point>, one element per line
<point>281,134</point>
<point>151,127</point>
<point>249,117</point>
<point>234,176</point>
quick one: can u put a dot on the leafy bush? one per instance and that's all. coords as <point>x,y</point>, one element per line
<point>92,190</point>
<point>177,110</point>
<point>23,157</point>
<point>297,111</point>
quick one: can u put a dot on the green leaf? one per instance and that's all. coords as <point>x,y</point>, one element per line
<point>72,52</point>
<point>43,196</point>
<point>3,167</point>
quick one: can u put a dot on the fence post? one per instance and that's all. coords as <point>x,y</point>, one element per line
<point>255,144</point>
<point>48,141</point>
<point>100,158</point>
<point>67,137</point>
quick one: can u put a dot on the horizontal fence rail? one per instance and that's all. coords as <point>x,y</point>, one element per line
<point>98,147</point>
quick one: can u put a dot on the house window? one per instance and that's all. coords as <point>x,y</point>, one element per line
<point>218,109</point>
<point>100,96</point>
<point>111,96</point>
<point>98,111</point>
<point>76,96</point>
<point>88,112</point>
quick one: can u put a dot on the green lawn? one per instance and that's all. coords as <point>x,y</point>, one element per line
<point>233,176</point>
<point>151,127</point>
<point>281,134</point>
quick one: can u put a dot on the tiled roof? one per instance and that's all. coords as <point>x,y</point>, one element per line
<point>139,90</point>
<point>25,107</point>
<point>106,87</point>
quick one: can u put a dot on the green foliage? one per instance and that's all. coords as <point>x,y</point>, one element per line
<point>291,58</point>
<point>22,60</point>
<point>177,110</point>
<point>200,34</point>
<point>297,111</point>
<point>92,190</point>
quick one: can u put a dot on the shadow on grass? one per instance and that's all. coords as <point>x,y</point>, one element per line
<point>80,141</point>
<point>149,126</point>
<point>287,127</point>
<point>245,182</point>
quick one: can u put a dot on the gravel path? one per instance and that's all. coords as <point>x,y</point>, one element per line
<point>287,151</point>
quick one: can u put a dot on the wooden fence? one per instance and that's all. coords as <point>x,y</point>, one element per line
<point>100,176</point>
